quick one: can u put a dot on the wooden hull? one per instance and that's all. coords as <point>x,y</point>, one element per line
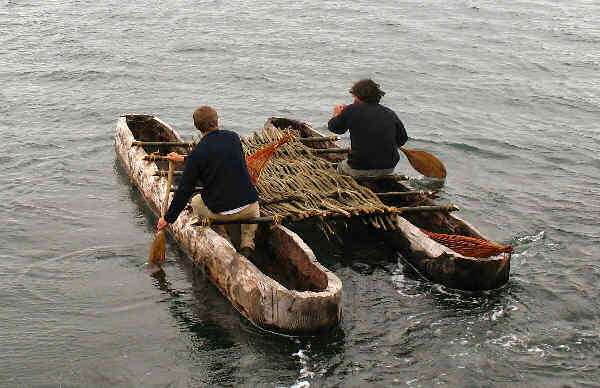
<point>312,306</point>
<point>433,260</point>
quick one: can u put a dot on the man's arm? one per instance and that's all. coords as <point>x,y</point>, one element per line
<point>191,172</point>
<point>401,136</point>
<point>337,124</point>
<point>175,157</point>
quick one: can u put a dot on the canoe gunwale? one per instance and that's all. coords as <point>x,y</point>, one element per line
<point>262,300</point>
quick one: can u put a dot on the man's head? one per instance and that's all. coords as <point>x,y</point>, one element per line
<point>206,119</point>
<point>366,90</point>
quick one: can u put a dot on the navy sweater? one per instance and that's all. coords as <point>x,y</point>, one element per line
<point>375,135</point>
<point>217,163</point>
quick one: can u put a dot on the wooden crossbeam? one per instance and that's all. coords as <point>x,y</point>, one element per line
<point>289,198</point>
<point>328,150</point>
<point>164,143</point>
<point>390,177</point>
<point>318,139</point>
<point>193,143</point>
<point>153,157</point>
<point>405,193</point>
<point>336,194</point>
<point>329,215</point>
<point>164,173</point>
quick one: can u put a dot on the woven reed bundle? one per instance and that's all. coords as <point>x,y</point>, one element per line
<point>298,183</point>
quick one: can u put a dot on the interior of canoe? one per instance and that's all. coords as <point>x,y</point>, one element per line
<point>277,255</point>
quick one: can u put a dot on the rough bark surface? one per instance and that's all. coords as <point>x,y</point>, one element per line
<point>262,300</point>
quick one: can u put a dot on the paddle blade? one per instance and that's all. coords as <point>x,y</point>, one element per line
<point>425,163</point>
<point>157,253</point>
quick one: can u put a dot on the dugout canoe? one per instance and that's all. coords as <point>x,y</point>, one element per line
<point>286,291</point>
<point>432,260</point>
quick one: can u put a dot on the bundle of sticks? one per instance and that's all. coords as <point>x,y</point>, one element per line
<point>297,183</point>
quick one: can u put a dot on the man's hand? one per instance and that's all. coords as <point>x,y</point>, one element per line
<point>338,109</point>
<point>175,157</point>
<point>162,223</point>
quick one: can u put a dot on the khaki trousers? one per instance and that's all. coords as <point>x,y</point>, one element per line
<point>343,168</point>
<point>248,230</point>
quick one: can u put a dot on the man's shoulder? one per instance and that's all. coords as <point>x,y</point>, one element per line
<point>221,140</point>
<point>352,107</point>
<point>388,111</point>
<point>228,133</point>
<point>218,136</point>
<point>198,150</point>
<point>228,136</point>
<point>367,107</point>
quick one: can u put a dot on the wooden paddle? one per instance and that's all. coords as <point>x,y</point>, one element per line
<point>157,253</point>
<point>425,163</point>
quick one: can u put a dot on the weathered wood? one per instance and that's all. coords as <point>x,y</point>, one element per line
<point>139,143</point>
<point>267,303</point>
<point>442,265</point>
<point>318,139</point>
<point>328,150</point>
<point>197,188</point>
<point>163,173</point>
<point>405,193</point>
<point>153,157</point>
<point>289,198</point>
<point>164,143</point>
<point>389,177</point>
<point>330,215</point>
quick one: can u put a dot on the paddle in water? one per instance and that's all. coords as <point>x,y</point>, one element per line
<point>425,163</point>
<point>158,251</point>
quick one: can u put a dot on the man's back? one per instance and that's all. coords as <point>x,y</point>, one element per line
<point>218,164</point>
<point>223,172</point>
<point>376,132</point>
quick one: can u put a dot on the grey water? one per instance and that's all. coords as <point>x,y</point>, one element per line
<point>505,93</point>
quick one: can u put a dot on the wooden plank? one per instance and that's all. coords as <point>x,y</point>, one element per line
<point>163,143</point>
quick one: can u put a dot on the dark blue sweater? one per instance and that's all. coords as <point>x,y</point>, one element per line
<point>217,163</point>
<point>375,135</point>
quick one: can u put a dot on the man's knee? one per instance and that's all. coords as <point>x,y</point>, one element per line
<point>199,208</point>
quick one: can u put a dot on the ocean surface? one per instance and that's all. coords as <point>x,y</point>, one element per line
<point>505,93</point>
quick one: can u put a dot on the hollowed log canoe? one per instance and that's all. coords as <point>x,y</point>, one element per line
<point>286,290</point>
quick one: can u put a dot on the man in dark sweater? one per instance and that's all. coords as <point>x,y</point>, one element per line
<point>216,163</point>
<point>375,132</point>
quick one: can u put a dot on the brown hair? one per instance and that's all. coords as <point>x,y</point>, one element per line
<point>206,118</point>
<point>367,91</point>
